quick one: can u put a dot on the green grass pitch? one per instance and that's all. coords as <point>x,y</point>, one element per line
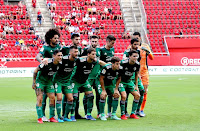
<point>173,103</point>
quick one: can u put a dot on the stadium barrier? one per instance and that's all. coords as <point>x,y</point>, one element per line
<point>153,70</point>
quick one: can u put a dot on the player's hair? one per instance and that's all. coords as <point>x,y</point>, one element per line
<point>89,51</point>
<point>50,34</point>
<point>110,38</point>
<point>115,59</point>
<point>132,51</point>
<point>56,52</point>
<point>94,37</point>
<point>136,33</point>
<point>75,35</point>
<point>134,40</point>
<point>73,47</point>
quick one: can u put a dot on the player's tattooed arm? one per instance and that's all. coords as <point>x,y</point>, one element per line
<point>136,80</point>
<point>103,93</point>
<point>34,77</point>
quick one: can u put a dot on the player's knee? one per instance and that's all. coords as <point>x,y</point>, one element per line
<point>70,99</point>
<point>59,98</point>
<point>137,97</point>
<point>123,96</point>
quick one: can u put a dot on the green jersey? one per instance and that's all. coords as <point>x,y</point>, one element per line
<point>65,50</point>
<point>83,69</point>
<point>109,74</point>
<point>46,73</point>
<point>47,50</point>
<point>106,55</point>
<point>126,54</point>
<point>89,46</point>
<point>65,70</point>
<point>96,68</point>
<point>127,70</point>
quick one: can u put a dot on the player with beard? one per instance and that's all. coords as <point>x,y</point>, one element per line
<point>52,43</point>
<point>43,83</point>
<point>83,68</point>
<point>94,40</point>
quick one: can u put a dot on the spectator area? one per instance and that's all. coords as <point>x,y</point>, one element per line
<point>169,17</point>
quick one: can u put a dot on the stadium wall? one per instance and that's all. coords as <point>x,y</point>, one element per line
<point>153,70</point>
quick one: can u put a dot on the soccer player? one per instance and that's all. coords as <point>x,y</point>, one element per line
<point>75,42</point>
<point>65,50</point>
<point>106,54</point>
<point>42,82</point>
<point>93,75</point>
<point>145,51</point>
<point>84,67</point>
<point>130,67</point>
<point>52,43</point>
<point>108,86</point>
<point>63,83</point>
<point>135,43</point>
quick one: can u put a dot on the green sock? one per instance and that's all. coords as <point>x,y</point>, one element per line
<point>68,108</point>
<point>74,105</point>
<point>39,111</point>
<point>134,106</point>
<point>114,105</point>
<point>109,102</point>
<point>44,103</point>
<point>85,104</point>
<point>122,105</point>
<point>141,99</point>
<point>97,103</point>
<point>101,106</point>
<point>58,108</point>
<point>64,101</point>
<point>90,98</point>
<point>126,103</point>
<point>52,111</point>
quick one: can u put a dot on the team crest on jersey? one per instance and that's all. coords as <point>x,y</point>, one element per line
<point>117,73</point>
<point>105,53</point>
<point>66,64</point>
<point>51,51</point>
<point>50,69</point>
<point>57,67</point>
<point>126,68</point>
<point>84,66</point>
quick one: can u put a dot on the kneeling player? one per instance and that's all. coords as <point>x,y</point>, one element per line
<point>107,77</point>
<point>42,82</point>
<point>129,67</point>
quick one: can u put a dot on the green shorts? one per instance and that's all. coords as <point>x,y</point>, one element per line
<point>94,83</point>
<point>140,85</point>
<point>78,86</point>
<point>63,87</point>
<point>47,88</point>
<point>130,86</point>
<point>109,89</point>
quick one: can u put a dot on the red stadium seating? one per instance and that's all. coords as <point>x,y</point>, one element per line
<point>171,17</point>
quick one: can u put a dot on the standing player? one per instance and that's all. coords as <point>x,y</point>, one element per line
<point>84,67</point>
<point>130,67</point>
<point>52,39</point>
<point>65,50</point>
<point>134,46</point>
<point>63,83</point>
<point>75,42</point>
<point>93,75</point>
<point>145,51</point>
<point>106,54</point>
<point>42,82</point>
<point>108,86</point>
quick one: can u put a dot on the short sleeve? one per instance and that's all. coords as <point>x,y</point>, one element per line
<point>103,72</point>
